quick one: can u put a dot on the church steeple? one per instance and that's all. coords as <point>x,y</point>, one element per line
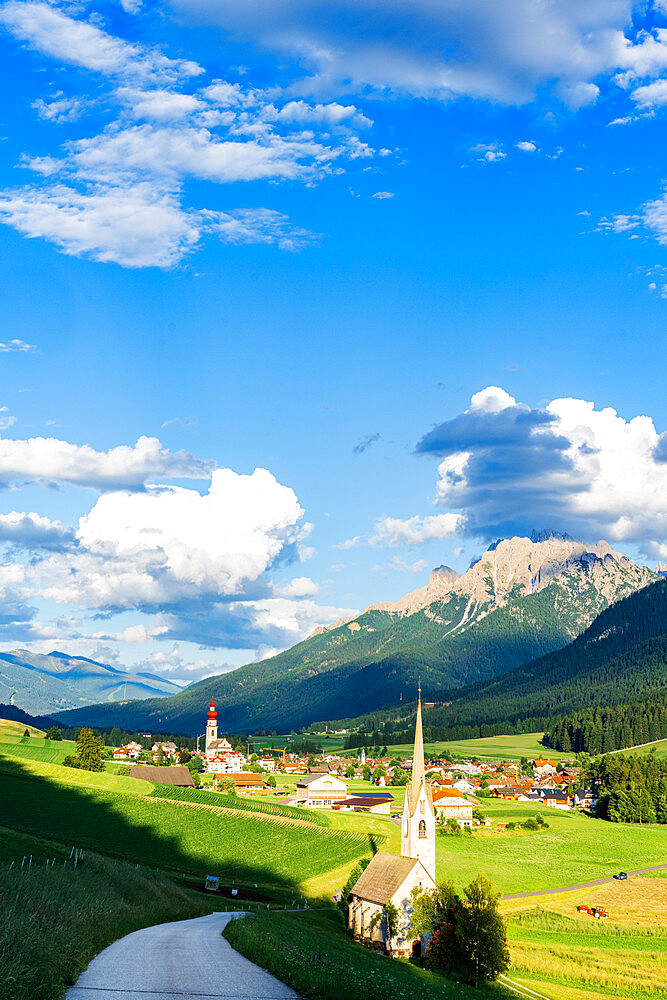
<point>418,822</point>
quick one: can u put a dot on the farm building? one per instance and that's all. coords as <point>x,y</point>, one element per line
<point>367,802</point>
<point>320,791</point>
<point>390,878</point>
<point>179,776</point>
<point>244,781</point>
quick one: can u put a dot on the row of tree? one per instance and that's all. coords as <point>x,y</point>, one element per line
<point>632,788</point>
<point>599,730</point>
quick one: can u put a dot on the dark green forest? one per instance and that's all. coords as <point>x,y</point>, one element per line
<point>632,788</point>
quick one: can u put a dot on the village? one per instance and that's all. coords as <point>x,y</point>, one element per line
<point>458,788</point>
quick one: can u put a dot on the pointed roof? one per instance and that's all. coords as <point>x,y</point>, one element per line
<point>418,775</point>
<point>384,876</point>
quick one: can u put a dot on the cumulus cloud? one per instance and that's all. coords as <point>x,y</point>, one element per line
<point>383,195</point>
<point>416,530</point>
<point>32,531</point>
<point>526,146</point>
<point>50,460</point>
<point>498,52</point>
<point>652,95</point>
<point>6,420</point>
<point>506,467</point>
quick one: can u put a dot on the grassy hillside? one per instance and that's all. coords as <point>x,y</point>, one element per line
<point>374,661</point>
<point>189,837</point>
<point>51,926</point>
<point>35,747</point>
<point>10,728</point>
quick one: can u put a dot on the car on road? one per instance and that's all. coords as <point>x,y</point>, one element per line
<point>621,875</point>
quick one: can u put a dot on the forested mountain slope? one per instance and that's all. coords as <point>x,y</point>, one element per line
<point>621,658</point>
<point>522,599</point>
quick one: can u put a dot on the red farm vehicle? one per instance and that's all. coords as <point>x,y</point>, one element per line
<point>594,911</point>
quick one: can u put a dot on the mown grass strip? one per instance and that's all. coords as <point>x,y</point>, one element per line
<point>223,801</point>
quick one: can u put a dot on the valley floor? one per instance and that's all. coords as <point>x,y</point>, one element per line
<point>271,858</point>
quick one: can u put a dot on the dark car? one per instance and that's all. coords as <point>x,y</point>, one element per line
<point>621,875</point>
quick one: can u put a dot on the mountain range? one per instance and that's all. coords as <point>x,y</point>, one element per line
<point>45,683</point>
<point>524,598</point>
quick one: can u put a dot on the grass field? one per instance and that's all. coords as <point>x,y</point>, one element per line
<point>313,955</point>
<point>190,837</point>
<point>556,951</point>
<point>492,748</point>
<point>10,728</point>
<point>574,849</point>
<point>659,748</point>
<point>36,748</point>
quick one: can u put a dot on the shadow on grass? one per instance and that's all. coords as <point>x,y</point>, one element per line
<point>186,840</point>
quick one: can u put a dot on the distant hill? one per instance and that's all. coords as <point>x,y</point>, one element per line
<point>523,598</point>
<point>45,683</point>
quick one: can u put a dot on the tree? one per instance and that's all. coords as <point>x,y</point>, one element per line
<point>366,772</point>
<point>349,771</point>
<point>115,737</point>
<point>399,777</point>
<point>160,756</point>
<point>54,734</point>
<point>271,781</point>
<point>184,756</point>
<point>194,765</point>
<point>480,936</point>
<point>89,750</point>
<point>387,918</point>
<point>434,914</point>
<point>26,732</point>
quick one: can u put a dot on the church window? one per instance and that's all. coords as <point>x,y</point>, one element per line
<point>422,828</point>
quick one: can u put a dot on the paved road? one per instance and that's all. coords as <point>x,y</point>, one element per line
<point>579,885</point>
<point>187,959</point>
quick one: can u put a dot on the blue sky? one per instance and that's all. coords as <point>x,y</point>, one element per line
<point>409,259</point>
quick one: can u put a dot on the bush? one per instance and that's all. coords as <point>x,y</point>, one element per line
<point>511,826</point>
<point>123,770</point>
<point>530,824</point>
<point>70,761</point>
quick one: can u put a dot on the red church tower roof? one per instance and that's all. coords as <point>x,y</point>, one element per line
<point>212,714</point>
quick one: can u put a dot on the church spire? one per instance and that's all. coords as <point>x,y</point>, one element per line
<point>418,777</point>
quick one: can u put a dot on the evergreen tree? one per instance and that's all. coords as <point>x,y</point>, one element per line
<point>89,750</point>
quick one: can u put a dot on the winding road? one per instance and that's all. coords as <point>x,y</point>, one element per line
<point>187,959</point>
<point>579,885</point>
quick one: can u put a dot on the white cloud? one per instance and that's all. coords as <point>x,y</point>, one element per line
<point>79,43</point>
<point>383,195</point>
<point>590,472</point>
<point>301,112</point>
<point>135,226</point>
<point>498,52</point>
<point>526,146</point>
<point>655,218</point>
<point>54,461</point>
<point>6,421</point>
<point>32,531</point>
<point>652,95</point>
<point>493,399</point>
<point>59,108</point>
<point>398,565</point>
<point>578,95</point>
<point>158,105</point>
<point>300,586</point>
<point>416,530</point>
<point>17,345</point>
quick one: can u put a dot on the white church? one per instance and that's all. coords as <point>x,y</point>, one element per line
<point>390,878</point>
<point>220,758</point>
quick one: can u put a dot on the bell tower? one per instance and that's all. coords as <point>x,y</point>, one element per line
<point>211,725</point>
<point>418,820</point>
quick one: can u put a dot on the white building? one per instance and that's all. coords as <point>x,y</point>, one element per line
<point>320,791</point>
<point>391,878</point>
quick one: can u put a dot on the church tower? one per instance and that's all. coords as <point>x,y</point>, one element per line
<point>211,726</point>
<point>418,821</point>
